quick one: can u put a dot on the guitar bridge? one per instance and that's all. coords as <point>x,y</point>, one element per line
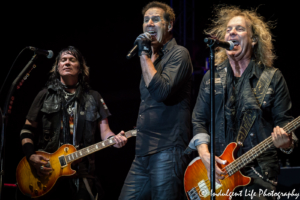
<point>193,194</point>
<point>62,161</point>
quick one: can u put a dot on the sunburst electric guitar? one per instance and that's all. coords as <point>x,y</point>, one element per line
<point>30,184</point>
<point>197,184</point>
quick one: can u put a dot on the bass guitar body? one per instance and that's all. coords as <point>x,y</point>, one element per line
<point>30,184</point>
<point>197,184</point>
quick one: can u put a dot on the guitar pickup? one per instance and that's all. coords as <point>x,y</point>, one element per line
<point>204,189</point>
<point>62,161</point>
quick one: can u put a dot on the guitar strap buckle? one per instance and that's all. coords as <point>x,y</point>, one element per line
<point>240,143</point>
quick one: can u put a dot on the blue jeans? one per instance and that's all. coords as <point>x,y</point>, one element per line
<point>156,176</point>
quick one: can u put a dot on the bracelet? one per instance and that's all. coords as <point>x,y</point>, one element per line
<point>109,137</point>
<point>289,150</point>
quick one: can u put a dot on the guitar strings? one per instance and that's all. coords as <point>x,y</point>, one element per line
<point>251,154</point>
<point>91,149</point>
<point>263,145</point>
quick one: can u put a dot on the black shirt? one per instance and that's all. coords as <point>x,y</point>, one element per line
<point>164,114</point>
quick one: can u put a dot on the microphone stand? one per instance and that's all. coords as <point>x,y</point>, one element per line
<point>1,162</point>
<point>5,118</point>
<point>212,121</point>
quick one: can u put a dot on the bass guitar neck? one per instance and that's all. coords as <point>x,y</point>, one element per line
<point>196,181</point>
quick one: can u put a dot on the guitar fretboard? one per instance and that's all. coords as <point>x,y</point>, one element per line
<point>258,149</point>
<point>96,147</point>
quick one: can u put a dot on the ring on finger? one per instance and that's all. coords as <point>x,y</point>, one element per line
<point>42,167</point>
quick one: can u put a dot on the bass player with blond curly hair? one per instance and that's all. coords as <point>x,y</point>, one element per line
<point>237,78</point>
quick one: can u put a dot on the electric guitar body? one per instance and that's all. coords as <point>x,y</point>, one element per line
<point>33,185</point>
<point>197,184</point>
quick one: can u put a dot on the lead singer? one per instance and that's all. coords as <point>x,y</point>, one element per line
<point>163,122</point>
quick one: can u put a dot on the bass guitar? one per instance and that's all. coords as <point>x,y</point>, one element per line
<point>197,184</point>
<point>32,185</point>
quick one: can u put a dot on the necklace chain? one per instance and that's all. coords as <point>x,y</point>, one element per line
<point>67,94</point>
<point>69,109</point>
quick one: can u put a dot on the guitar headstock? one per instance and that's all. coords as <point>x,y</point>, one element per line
<point>133,132</point>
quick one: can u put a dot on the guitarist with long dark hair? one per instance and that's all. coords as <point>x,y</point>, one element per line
<point>243,76</point>
<point>67,111</point>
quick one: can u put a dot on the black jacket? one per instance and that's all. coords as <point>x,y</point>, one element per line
<point>274,112</point>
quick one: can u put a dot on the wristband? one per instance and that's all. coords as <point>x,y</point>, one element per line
<point>29,128</point>
<point>26,135</point>
<point>145,53</point>
<point>27,131</point>
<point>28,149</point>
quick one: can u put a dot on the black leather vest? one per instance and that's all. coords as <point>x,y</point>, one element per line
<point>87,113</point>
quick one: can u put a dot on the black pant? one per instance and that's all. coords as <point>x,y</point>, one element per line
<point>258,188</point>
<point>156,176</point>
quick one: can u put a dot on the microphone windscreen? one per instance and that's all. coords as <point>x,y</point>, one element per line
<point>50,55</point>
<point>231,45</point>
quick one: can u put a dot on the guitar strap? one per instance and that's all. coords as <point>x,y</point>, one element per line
<point>80,123</point>
<point>260,93</point>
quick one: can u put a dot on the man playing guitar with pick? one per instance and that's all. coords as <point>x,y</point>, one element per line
<point>69,112</point>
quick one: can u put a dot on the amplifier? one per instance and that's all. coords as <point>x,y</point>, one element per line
<point>289,183</point>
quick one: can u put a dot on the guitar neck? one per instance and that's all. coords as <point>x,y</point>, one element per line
<point>258,149</point>
<point>95,147</point>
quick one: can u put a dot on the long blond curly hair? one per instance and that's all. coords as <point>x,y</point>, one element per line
<point>263,50</point>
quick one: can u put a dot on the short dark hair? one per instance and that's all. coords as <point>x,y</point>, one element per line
<point>169,12</point>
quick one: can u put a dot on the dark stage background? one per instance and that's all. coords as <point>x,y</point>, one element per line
<point>104,31</point>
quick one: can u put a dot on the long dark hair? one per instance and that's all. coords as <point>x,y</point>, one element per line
<point>83,78</point>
